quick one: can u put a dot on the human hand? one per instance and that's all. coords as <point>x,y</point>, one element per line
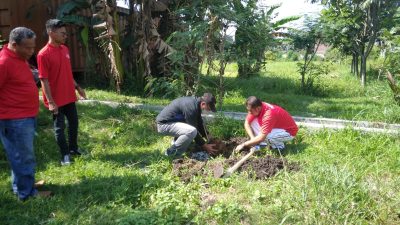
<point>239,147</point>
<point>53,108</point>
<point>210,148</point>
<point>81,92</point>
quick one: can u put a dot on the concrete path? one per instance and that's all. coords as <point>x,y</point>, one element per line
<point>308,122</point>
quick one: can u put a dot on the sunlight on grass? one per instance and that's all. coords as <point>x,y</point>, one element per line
<point>342,96</point>
<point>123,177</point>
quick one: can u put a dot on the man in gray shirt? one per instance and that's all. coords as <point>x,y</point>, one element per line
<point>182,120</point>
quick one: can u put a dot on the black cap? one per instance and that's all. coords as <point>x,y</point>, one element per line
<point>209,99</point>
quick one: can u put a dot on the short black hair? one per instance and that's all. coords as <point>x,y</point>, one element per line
<point>253,102</point>
<point>20,33</point>
<point>210,100</point>
<point>54,24</point>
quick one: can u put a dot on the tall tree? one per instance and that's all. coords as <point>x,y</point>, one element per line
<point>359,22</point>
<point>308,40</point>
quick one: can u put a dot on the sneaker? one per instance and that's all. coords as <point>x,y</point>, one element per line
<point>66,161</point>
<point>170,152</point>
<point>76,152</point>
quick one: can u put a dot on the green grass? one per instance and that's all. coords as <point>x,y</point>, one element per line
<point>341,95</point>
<point>345,177</point>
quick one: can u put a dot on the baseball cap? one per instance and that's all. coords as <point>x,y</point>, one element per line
<point>209,99</point>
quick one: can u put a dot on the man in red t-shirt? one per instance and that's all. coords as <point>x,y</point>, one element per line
<point>19,105</point>
<point>267,124</point>
<point>58,86</point>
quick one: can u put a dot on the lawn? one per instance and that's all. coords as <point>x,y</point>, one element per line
<point>341,95</point>
<point>345,177</point>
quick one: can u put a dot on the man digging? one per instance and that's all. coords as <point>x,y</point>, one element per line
<point>182,120</point>
<point>267,124</point>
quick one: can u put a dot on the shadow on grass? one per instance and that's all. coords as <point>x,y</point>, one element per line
<point>71,202</point>
<point>103,126</point>
<point>138,159</point>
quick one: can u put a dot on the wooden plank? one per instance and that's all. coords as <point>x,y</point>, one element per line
<point>5,17</point>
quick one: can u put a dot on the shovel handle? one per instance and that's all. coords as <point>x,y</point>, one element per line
<point>238,164</point>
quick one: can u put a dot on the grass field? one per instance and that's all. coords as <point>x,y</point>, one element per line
<point>346,177</point>
<point>342,95</point>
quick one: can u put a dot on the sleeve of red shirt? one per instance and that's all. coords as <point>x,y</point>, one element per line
<point>42,67</point>
<point>267,123</point>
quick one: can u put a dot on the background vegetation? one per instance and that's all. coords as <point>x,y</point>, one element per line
<point>123,178</point>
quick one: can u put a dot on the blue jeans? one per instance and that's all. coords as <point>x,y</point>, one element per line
<point>17,137</point>
<point>67,111</point>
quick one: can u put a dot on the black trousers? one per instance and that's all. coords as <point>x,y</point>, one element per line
<point>67,111</point>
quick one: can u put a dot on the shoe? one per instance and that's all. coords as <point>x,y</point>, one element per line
<point>44,194</point>
<point>76,152</point>
<point>39,184</point>
<point>39,194</point>
<point>170,152</point>
<point>66,160</point>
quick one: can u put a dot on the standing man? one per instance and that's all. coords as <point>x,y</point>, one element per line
<point>267,123</point>
<point>19,105</point>
<point>58,87</point>
<point>182,120</point>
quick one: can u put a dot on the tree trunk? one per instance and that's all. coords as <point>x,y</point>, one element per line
<point>353,63</point>
<point>363,71</point>
<point>356,67</point>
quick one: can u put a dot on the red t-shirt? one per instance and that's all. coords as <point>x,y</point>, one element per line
<point>273,116</point>
<point>54,64</point>
<point>19,97</point>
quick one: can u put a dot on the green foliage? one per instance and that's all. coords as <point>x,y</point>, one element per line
<point>225,128</point>
<point>345,176</point>
<point>2,42</point>
<point>308,40</point>
<point>293,55</point>
<point>334,55</point>
<point>252,37</point>
<point>165,87</point>
<point>222,213</point>
<point>313,73</point>
<point>71,7</point>
<point>354,27</point>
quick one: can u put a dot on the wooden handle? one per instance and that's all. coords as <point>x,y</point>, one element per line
<point>238,164</point>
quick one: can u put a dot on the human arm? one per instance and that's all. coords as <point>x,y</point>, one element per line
<point>268,122</point>
<point>80,90</point>
<point>248,129</point>
<point>47,91</point>
<point>253,141</point>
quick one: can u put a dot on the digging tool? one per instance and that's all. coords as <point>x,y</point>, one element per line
<point>205,131</point>
<point>218,170</point>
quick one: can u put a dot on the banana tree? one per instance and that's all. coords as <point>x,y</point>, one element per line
<point>99,27</point>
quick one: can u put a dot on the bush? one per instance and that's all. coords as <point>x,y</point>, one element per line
<point>293,55</point>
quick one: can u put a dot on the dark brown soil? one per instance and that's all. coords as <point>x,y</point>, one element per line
<point>261,168</point>
<point>187,168</point>
<point>257,166</point>
<point>225,148</point>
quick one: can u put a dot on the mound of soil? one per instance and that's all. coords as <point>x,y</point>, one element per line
<point>187,168</point>
<point>261,168</point>
<point>225,148</point>
<point>258,168</point>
